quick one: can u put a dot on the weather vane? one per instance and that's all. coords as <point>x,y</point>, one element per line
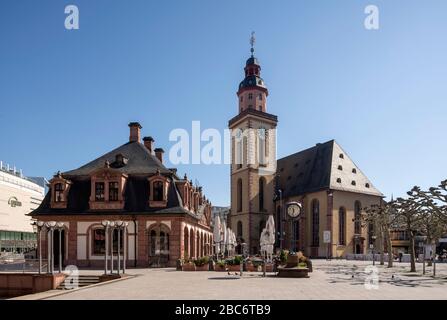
<point>252,42</point>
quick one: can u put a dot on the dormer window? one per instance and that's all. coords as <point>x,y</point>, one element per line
<point>59,188</point>
<point>340,168</point>
<point>341,156</point>
<point>107,187</point>
<point>158,195</point>
<point>99,191</point>
<point>58,192</point>
<point>354,170</point>
<point>367,185</point>
<point>158,191</point>
<point>113,191</point>
<point>338,180</point>
<point>353,183</point>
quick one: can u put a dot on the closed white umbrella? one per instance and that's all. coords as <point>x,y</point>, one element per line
<point>217,235</point>
<point>223,236</point>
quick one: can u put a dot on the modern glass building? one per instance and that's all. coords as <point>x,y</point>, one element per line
<point>19,195</point>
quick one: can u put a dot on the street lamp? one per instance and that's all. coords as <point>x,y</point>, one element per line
<point>105,224</point>
<point>39,225</point>
<point>373,238</point>
<point>50,227</point>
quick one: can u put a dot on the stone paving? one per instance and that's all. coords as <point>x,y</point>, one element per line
<point>336,279</point>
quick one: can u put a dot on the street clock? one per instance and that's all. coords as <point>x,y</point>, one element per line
<point>294,209</point>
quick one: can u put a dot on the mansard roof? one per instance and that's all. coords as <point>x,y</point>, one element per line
<point>322,167</point>
<point>139,161</point>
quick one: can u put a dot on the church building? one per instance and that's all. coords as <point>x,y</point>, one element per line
<point>326,185</point>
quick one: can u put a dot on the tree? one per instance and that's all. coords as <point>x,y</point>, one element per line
<point>408,217</point>
<point>382,218</point>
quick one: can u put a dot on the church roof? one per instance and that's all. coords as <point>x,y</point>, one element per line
<point>324,166</point>
<point>139,161</point>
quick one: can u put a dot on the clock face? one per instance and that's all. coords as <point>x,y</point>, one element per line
<point>294,210</point>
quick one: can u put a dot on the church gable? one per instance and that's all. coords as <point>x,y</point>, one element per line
<point>346,176</point>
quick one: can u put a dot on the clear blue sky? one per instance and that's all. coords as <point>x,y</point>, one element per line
<point>66,97</point>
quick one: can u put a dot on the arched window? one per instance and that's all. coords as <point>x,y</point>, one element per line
<point>261,227</point>
<point>158,191</point>
<point>58,192</point>
<point>342,226</point>
<point>99,241</point>
<point>158,244</point>
<point>315,223</point>
<point>340,167</point>
<point>357,217</point>
<point>185,242</point>
<point>239,195</point>
<point>261,193</point>
<point>262,146</point>
<point>239,229</point>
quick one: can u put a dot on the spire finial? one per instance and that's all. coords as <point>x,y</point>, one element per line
<point>252,42</point>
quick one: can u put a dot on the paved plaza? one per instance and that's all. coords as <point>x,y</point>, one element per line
<point>336,279</point>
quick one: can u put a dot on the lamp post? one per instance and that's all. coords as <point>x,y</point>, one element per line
<point>119,225</point>
<point>50,226</point>
<point>39,225</point>
<point>112,231</point>
<point>373,238</point>
<point>105,224</point>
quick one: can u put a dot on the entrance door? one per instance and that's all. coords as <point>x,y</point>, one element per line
<point>56,247</point>
<point>358,249</point>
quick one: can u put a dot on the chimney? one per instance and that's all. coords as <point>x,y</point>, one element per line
<point>149,144</point>
<point>159,154</point>
<point>135,134</point>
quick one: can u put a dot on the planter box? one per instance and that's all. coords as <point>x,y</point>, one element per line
<point>251,267</point>
<point>219,268</point>
<point>189,267</point>
<point>205,267</point>
<point>234,268</point>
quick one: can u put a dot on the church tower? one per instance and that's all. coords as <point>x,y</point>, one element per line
<point>253,165</point>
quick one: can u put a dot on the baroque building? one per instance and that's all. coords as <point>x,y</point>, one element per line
<point>168,217</point>
<point>323,180</point>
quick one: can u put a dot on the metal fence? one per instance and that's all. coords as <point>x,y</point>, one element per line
<point>9,264</point>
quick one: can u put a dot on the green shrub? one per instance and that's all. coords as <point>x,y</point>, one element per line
<point>234,261</point>
<point>201,261</point>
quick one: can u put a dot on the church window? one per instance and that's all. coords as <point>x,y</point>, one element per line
<point>357,217</point>
<point>315,223</point>
<point>239,229</point>
<point>340,168</point>
<point>354,170</point>
<point>239,195</point>
<point>342,226</point>
<point>261,193</point>
<point>341,156</point>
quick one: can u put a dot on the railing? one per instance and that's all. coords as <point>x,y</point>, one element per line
<point>22,265</point>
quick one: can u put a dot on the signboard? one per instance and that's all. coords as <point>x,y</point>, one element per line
<point>326,236</point>
<point>14,202</point>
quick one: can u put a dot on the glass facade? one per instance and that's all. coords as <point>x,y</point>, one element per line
<point>14,241</point>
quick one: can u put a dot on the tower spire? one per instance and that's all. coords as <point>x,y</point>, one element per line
<point>252,43</point>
